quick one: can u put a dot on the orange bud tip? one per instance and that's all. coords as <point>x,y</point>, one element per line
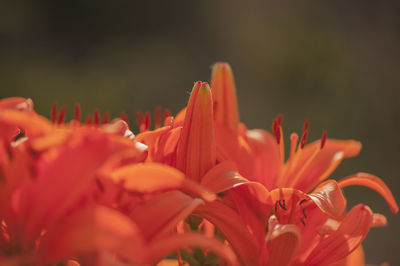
<point>305,134</point>
<point>77,112</point>
<point>54,112</point>
<point>61,116</point>
<point>96,117</point>
<point>106,118</point>
<point>323,139</point>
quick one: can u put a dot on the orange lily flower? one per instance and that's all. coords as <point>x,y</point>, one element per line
<point>42,195</point>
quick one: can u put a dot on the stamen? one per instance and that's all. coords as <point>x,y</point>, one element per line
<point>106,118</point>
<point>276,124</point>
<point>100,185</point>
<point>124,117</point>
<point>276,206</point>
<point>89,120</point>
<point>167,113</point>
<point>302,201</point>
<point>303,222</point>
<point>304,213</point>
<point>139,118</point>
<point>77,112</point>
<point>282,205</point>
<point>96,117</point>
<point>157,117</point>
<point>145,125</point>
<point>305,134</point>
<point>54,112</point>
<point>61,115</point>
<point>323,139</point>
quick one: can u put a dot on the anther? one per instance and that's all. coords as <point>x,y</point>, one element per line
<point>124,117</point>
<point>305,134</point>
<point>304,213</point>
<point>106,117</point>
<point>323,139</point>
<point>282,204</point>
<point>54,112</point>
<point>276,124</point>
<point>157,117</point>
<point>303,222</point>
<point>77,112</point>
<point>139,118</point>
<point>89,120</point>
<point>302,201</point>
<point>145,123</point>
<point>96,117</point>
<point>61,115</point>
<point>167,113</point>
<point>100,185</point>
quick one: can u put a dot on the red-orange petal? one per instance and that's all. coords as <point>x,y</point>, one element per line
<point>155,177</point>
<point>283,242</point>
<point>373,182</point>
<point>356,258</point>
<point>323,164</point>
<point>329,198</point>
<point>224,96</point>
<point>349,235</point>
<point>233,228</point>
<point>160,214</point>
<point>222,177</point>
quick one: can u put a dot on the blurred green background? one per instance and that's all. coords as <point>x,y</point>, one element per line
<point>335,63</point>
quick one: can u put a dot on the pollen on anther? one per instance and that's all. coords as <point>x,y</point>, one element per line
<point>323,139</point>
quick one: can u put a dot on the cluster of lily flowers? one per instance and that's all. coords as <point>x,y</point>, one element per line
<point>199,189</point>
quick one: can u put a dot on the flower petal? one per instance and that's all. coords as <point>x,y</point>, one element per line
<point>266,158</point>
<point>373,182</point>
<point>329,198</point>
<point>323,163</point>
<point>349,235</point>
<point>155,177</point>
<point>283,242</point>
<point>233,228</point>
<point>222,177</point>
<point>159,215</point>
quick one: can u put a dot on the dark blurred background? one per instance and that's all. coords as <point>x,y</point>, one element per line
<point>336,64</point>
